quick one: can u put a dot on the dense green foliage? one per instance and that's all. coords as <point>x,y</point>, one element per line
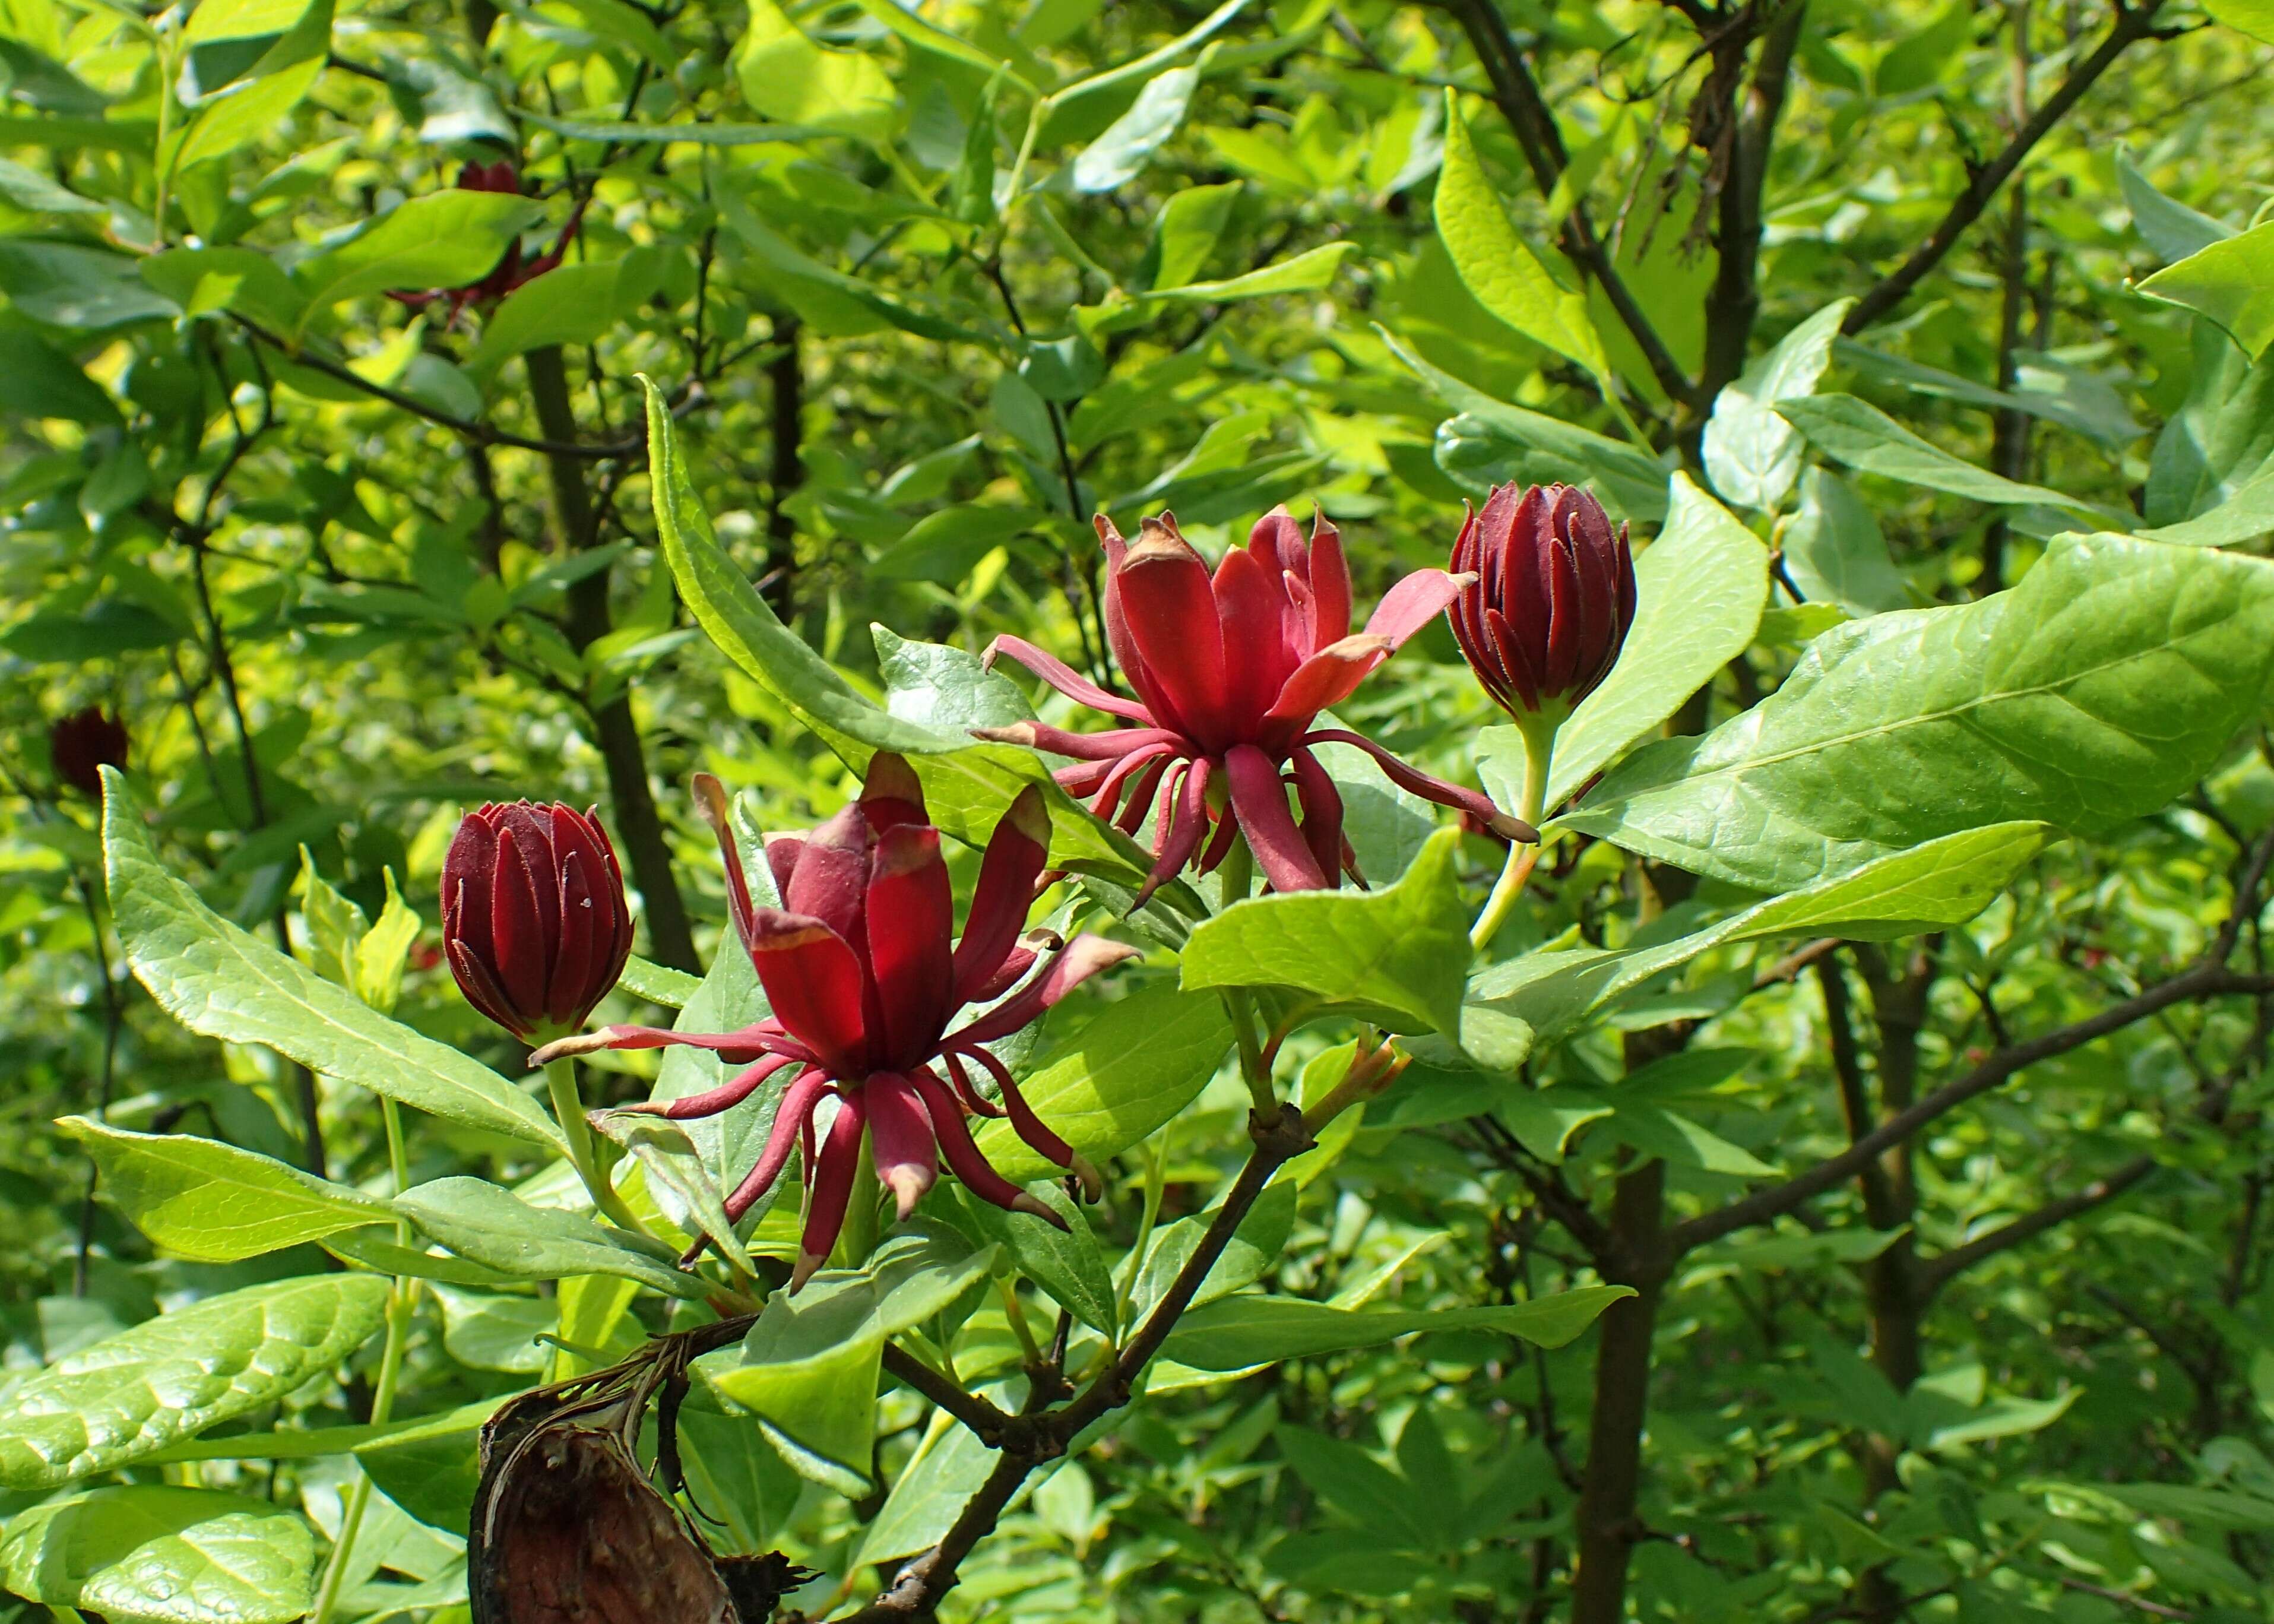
<point>1833,1190</point>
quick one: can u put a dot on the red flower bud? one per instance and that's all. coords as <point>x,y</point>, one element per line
<point>534,919</point>
<point>512,271</point>
<point>1554,598</point>
<point>84,742</point>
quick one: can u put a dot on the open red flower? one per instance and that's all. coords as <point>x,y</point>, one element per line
<point>1231,671</point>
<point>863,970</point>
<point>510,272</point>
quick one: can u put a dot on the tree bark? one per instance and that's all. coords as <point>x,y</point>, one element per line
<point>1610,1490</point>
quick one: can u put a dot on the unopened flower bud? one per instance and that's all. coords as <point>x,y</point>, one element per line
<point>534,919</point>
<point>1554,598</point>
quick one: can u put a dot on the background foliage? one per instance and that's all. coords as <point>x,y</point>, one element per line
<point>1940,1184</point>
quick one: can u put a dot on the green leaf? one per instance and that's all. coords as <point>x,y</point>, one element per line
<point>1119,155</point>
<point>2109,680</point>
<point>2230,282</point>
<point>809,1367</point>
<point>1699,591</point>
<point>212,1201</point>
<point>615,132</point>
<point>379,957</point>
<point>432,1468</point>
<point>151,1556</point>
<point>1255,1247</point>
<point>1835,551</point>
<point>1752,455</point>
<point>38,380</point>
<point>1942,882</point>
<point>1497,265</point>
<point>1308,271</point>
<point>784,76</point>
<point>445,239</point>
<point>495,1228</point>
<point>1190,225</point>
<point>129,1395</point>
<point>1241,1331</point>
<point>335,926</point>
<point>204,280</point>
<point>2171,228</point>
<point>1861,435</point>
<point>1066,1263</point>
<point>570,304</point>
<point>70,285</point>
<point>246,113</point>
<point>217,980</point>
<point>967,786</point>
<point>1133,1066</point>
<point>930,1491</point>
<point>657,983</point>
<point>29,190</point>
<point>676,1175</point>
<point>1402,953</point>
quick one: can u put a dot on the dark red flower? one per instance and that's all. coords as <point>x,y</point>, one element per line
<point>1230,672</point>
<point>534,921</point>
<point>1554,598</point>
<point>512,271</point>
<point>864,972</point>
<point>82,744</point>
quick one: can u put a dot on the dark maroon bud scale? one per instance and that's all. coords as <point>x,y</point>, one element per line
<point>1554,598</point>
<point>534,919</point>
<point>82,744</point>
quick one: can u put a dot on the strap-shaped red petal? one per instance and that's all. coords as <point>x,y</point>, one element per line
<point>1016,854</point>
<point>1024,1122</point>
<point>1329,579</point>
<point>1323,810</point>
<point>1412,603</point>
<point>831,882</point>
<point>1261,801</point>
<point>792,1116</point>
<point>1251,607</point>
<point>1183,830</point>
<point>1068,968</point>
<point>710,804</point>
<point>911,923</point>
<point>813,979</point>
<point>891,792</point>
<point>710,1102</point>
<point>829,1189</point>
<point>900,1139</point>
<point>962,1156</point>
<point>1064,678</point>
<point>1506,825</point>
<point>1326,678</point>
<point>1111,745</point>
<point>1163,586</point>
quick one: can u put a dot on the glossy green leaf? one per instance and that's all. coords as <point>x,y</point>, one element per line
<point>676,1175</point>
<point>1752,455</point>
<point>1944,881</point>
<point>2230,282</point>
<point>2171,228</point>
<point>1498,265</point>
<point>1241,1331</point>
<point>212,1201</point>
<point>1254,1249</point>
<point>809,1367</point>
<point>1308,271</point>
<point>1108,1085</point>
<point>1065,1263</point>
<point>657,983</point>
<point>216,980</point>
<point>497,1229</point>
<point>1699,590</point>
<point>130,1395</point>
<point>570,304</point>
<point>151,1556</point>
<point>1861,435</point>
<point>1400,953</point>
<point>2104,683</point>
<point>444,239</point>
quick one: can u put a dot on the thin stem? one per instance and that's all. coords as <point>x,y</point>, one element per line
<point>568,1111</point>
<point>1539,751</point>
<point>1020,1328</point>
<point>111,1023</point>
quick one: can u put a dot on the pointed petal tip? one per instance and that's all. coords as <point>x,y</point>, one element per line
<point>1025,1203</point>
<point>578,1043</point>
<point>809,1264</point>
<point>907,1183</point>
<point>1016,733</point>
<point>1093,1186</point>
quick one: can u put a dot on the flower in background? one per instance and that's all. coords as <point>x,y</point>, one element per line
<point>1553,600</point>
<point>1231,671</point>
<point>864,972</point>
<point>512,271</point>
<point>534,921</point>
<point>82,744</point>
